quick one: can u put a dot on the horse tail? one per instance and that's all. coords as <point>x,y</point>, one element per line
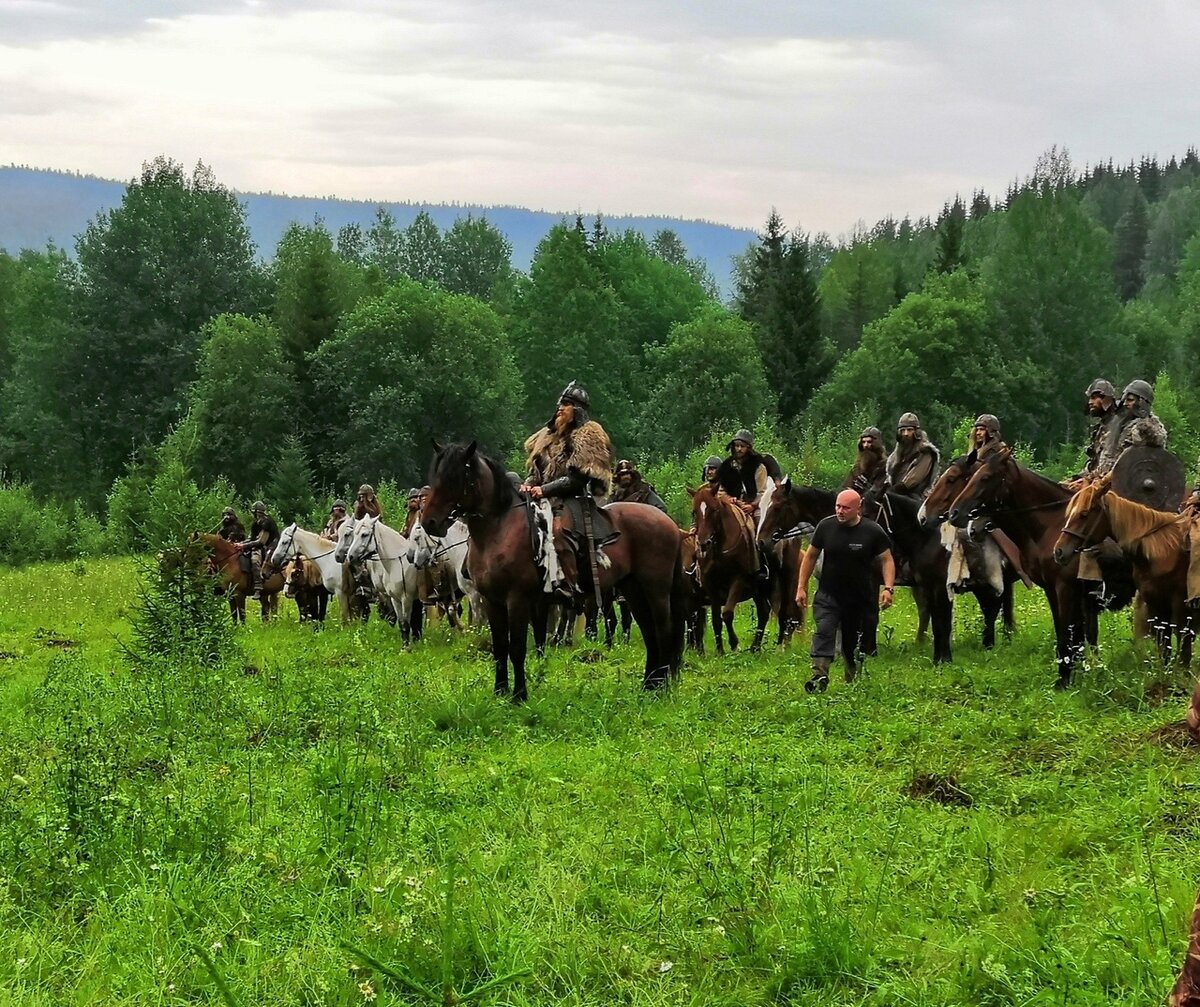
<point>679,610</point>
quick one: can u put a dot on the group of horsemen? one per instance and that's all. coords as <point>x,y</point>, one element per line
<point>570,467</point>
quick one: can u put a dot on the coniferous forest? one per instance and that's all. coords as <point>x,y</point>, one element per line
<point>164,358</point>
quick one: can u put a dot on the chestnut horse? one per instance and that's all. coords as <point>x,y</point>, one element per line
<point>644,562</point>
<point>225,560</point>
<point>1031,509</point>
<point>1154,541</point>
<point>727,565</point>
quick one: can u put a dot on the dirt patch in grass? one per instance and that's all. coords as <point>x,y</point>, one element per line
<point>941,789</point>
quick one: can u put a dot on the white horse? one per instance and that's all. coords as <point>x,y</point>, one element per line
<point>295,541</point>
<point>386,552</point>
<point>447,558</point>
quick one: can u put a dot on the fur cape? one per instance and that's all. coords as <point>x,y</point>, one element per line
<point>922,446</point>
<point>585,448</point>
<point>1145,431</point>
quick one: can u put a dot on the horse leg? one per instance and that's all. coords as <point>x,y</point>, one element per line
<point>662,660</point>
<point>924,613</point>
<point>497,616</point>
<point>762,605</point>
<point>716,625</point>
<point>626,620</point>
<point>990,607</point>
<point>727,614</point>
<point>518,642</point>
<point>1006,608</point>
<point>540,618</point>
<point>941,611</point>
<point>1062,644</point>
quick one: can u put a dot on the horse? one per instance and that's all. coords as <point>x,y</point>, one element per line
<point>295,541</point>
<point>644,561</point>
<point>391,572</point>
<point>785,550</point>
<point>728,567</point>
<point>697,601</point>
<point>1154,541</point>
<point>794,506</point>
<point>226,561</point>
<point>1031,509</point>
<point>302,582</point>
<point>446,558</point>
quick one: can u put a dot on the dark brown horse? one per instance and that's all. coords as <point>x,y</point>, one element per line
<point>728,567</point>
<point>644,563</point>
<point>225,560</point>
<point>1156,544</point>
<point>1031,510</point>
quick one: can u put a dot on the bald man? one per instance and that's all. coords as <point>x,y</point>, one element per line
<point>854,547</point>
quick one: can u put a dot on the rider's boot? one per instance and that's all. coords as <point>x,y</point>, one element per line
<point>819,681</point>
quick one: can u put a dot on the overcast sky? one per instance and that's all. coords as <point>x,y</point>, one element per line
<point>831,111</point>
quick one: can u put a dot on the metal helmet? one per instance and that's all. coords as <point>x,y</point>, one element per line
<point>871,432</point>
<point>426,489</point>
<point>624,465</point>
<point>743,435</point>
<point>712,462</point>
<point>575,395</point>
<point>1142,389</point>
<point>229,512</point>
<point>1101,386</point>
<point>908,420</point>
<point>988,422</point>
<point>414,493</point>
<point>258,507</point>
<point>366,490</point>
<point>337,504</point>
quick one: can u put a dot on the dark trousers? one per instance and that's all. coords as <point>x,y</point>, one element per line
<point>857,621</point>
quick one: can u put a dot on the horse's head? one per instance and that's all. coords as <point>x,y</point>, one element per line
<point>284,548</point>
<point>780,514</point>
<point>951,482</point>
<point>706,518</point>
<point>362,542</point>
<point>293,576</point>
<point>420,546</point>
<point>987,487</point>
<point>345,536</point>
<point>1087,522</point>
<point>456,485</point>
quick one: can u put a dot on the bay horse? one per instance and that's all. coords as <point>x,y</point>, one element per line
<point>728,568</point>
<point>1154,541</point>
<point>1031,510</point>
<point>225,560</point>
<point>644,561</point>
<point>792,506</point>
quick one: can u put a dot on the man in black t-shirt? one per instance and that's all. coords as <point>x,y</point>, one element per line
<point>851,545</point>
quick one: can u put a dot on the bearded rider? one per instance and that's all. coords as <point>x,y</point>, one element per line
<point>337,514</point>
<point>743,476</point>
<point>231,530</point>
<point>570,464</point>
<point>366,504</point>
<point>912,467</point>
<point>413,510</point>
<point>1103,410</point>
<point>632,488</point>
<point>1135,425</point>
<point>264,536</point>
<point>869,474</point>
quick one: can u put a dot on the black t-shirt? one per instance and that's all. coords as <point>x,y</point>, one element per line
<point>848,557</point>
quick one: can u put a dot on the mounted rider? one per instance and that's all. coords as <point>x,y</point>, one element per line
<point>413,510</point>
<point>337,514</point>
<point>264,536</point>
<point>1135,425</point>
<point>743,476</point>
<point>985,436</point>
<point>632,488</point>
<point>1105,413</point>
<point>869,474</point>
<point>712,472</point>
<point>570,465</point>
<point>366,504</point>
<point>912,467</point>
<point>231,530</point>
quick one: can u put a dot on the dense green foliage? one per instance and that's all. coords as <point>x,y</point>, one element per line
<point>164,332</point>
<point>319,818</point>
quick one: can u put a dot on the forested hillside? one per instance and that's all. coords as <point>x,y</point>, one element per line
<point>167,351</point>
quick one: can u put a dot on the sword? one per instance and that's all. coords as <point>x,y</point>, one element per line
<point>591,549</point>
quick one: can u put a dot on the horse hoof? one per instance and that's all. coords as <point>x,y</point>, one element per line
<point>518,698</point>
<point>1062,685</point>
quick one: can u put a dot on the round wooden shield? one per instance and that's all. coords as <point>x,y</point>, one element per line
<point>1151,476</point>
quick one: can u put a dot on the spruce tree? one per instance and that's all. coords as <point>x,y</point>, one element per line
<point>1129,240</point>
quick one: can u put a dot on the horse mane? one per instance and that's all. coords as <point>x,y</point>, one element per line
<point>1157,535</point>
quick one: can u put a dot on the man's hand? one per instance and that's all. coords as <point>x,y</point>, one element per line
<point>801,599</point>
<point>747,507</point>
<point>886,596</point>
<point>535,492</point>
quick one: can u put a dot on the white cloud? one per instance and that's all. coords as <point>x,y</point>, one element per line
<point>832,112</point>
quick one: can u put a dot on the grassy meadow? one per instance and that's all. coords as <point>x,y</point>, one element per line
<point>329,818</point>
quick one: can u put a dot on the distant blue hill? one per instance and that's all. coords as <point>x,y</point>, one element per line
<point>37,207</point>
